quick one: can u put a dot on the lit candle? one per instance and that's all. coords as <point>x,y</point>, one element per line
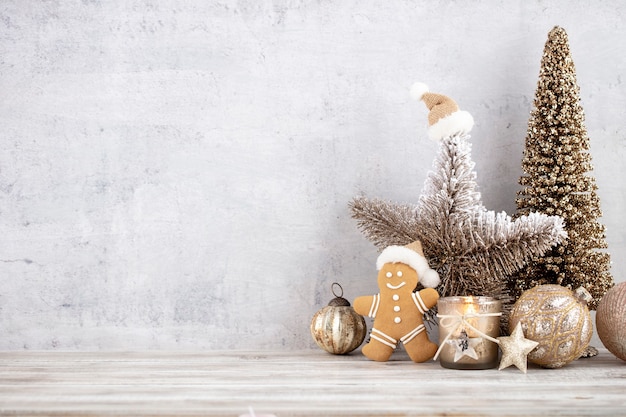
<point>468,328</point>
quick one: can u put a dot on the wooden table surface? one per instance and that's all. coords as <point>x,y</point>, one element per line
<point>301,383</point>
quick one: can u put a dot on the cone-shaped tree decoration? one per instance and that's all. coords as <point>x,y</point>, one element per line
<point>556,161</point>
<point>474,250</point>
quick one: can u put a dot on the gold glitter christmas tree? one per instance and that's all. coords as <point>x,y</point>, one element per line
<point>556,161</point>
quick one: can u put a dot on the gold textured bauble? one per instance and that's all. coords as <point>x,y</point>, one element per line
<point>611,320</point>
<point>558,319</point>
<point>338,328</point>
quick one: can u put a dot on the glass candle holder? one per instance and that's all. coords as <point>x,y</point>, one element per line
<point>468,328</point>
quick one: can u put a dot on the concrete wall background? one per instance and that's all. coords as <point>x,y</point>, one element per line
<point>176,174</point>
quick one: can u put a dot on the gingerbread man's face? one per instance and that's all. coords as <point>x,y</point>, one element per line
<point>396,276</point>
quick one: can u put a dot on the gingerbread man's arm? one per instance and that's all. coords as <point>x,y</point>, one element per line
<point>425,299</point>
<point>367,305</point>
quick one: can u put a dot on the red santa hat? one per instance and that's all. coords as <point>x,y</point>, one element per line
<point>413,256</point>
<point>445,119</point>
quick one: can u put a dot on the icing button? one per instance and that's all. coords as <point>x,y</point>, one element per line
<point>395,297</point>
<point>396,308</point>
<point>397,320</point>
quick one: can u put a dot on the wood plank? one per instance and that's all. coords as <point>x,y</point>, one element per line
<point>304,383</point>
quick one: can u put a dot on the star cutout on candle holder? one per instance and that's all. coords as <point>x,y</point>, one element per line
<point>473,250</point>
<point>465,346</point>
<point>515,349</point>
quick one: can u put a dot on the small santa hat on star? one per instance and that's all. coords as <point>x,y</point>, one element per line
<point>413,256</point>
<point>445,119</point>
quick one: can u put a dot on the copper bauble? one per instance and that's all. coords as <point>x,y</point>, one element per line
<point>337,328</point>
<point>611,320</point>
<point>557,319</point>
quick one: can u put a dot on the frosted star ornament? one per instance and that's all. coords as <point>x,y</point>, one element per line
<point>474,250</point>
<point>515,349</point>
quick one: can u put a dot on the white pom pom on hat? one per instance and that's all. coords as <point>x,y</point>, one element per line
<point>430,279</point>
<point>413,256</point>
<point>418,90</point>
<point>444,119</point>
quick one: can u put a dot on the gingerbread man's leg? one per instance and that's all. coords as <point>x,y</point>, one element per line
<point>380,346</point>
<point>418,346</point>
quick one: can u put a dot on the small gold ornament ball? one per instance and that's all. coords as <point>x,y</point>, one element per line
<point>611,320</point>
<point>338,328</point>
<point>558,319</point>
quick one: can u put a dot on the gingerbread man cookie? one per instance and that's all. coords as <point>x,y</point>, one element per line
<point>398,311</point>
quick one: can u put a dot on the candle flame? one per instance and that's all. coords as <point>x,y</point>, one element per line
<point>470,308</point>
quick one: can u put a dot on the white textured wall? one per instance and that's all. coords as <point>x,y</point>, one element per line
<point>176,174</point>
